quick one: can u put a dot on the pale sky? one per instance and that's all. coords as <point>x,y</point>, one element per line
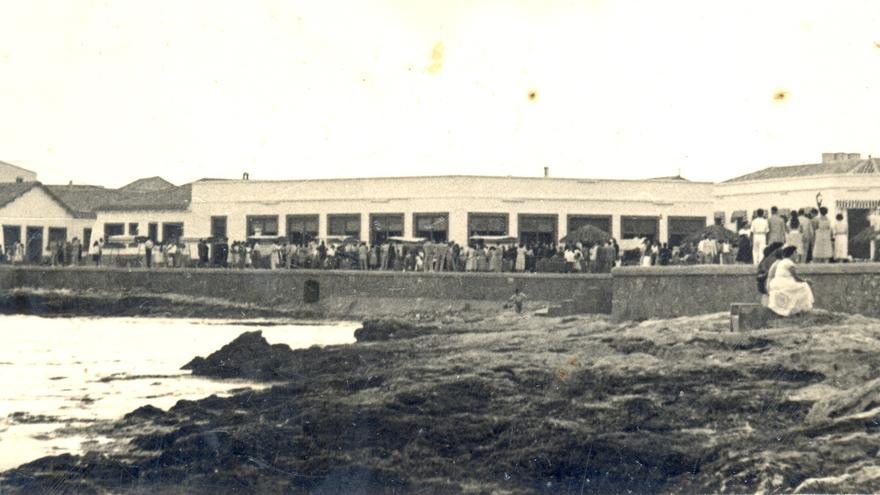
<point>105,92</point>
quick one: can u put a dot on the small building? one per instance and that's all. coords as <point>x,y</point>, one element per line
<point>38,216</point>
<point>14,173</point>
<point>152,208</point>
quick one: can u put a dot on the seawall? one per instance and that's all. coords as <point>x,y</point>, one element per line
<point>630,293</point>
<point>336,289</point>
<point>668,292</point>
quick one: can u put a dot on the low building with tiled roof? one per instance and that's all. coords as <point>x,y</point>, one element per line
<point>37,217</point>
<point>845,183</point>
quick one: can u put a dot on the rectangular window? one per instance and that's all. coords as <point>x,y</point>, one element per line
<point>11,235</point>
<point>432,226</point>
<point>601,222</point>
<point>302,229</point>
<point>218,228</point>
<point>87,239</point>
<point>172,232</point>
<point>639,227</point>
<point>347,225</point>
<point>487,224</point>
<point>57,235</point>
<point>537,229</point>
<point>111,229</point>
<point>679,228</point>
<point>262,225</point>
<point>133,229</point>
<point>385,225</point>
<point>153,232</point>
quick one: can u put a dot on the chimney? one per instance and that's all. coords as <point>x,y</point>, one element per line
<point>546,172</point>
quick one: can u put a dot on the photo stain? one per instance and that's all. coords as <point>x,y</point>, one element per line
<point>436,58</point>
<point>780,95</point>
<point>533,95</point>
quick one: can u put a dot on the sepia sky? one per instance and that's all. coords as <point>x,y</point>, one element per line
<point>108,91</point>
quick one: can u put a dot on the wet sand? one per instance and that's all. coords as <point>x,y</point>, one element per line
<point>513,404</point>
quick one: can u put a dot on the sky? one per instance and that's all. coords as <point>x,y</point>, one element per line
<point>104,92</point>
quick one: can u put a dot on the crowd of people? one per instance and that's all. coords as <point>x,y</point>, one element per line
<point>814,237</point>
<point>412,257</point>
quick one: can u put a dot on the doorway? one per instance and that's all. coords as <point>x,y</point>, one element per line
<point>35,245</point>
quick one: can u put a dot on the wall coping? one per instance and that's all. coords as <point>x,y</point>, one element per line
<point>317,273</point>
<point>700,270</point>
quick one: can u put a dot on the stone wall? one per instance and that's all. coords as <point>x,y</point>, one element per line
<point>641,292</point>
<point>633,292</point>
<point>593,292</point>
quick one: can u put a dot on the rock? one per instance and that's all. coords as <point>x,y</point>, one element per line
<point>144,412</point>
<point>248,356</point>
<point>387,329</point>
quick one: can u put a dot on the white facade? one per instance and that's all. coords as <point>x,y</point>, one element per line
<point>35,211</point>
<point>457,197</point>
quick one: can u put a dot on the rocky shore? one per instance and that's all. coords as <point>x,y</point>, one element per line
<point>512,404</point>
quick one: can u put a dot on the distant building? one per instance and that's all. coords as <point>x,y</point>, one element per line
<point>14,173</point>
<point>442,208</point>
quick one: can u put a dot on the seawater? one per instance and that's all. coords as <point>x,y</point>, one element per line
<point>58,373</point>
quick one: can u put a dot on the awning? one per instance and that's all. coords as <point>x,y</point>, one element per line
<point>737,214</point>
<point>866,204</point>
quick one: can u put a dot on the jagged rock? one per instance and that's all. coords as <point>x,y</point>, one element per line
<point>248,356</point>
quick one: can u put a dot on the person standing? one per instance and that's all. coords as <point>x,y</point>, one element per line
<point>520,265</point>
<point>809,235</point>
<point>841,239</point>
<point>203,253</point>
<point>148,252</point>
<point>822,249</point>
<point>363,256</point>
<point>760,228</point>
<point>776,227</point>
<point>795,237</point>
<point>744,247</point>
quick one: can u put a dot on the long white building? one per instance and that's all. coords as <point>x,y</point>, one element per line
<point>450,208</point>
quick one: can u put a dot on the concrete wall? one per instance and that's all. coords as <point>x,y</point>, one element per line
<point>668,292</point>
<point>287,287</point>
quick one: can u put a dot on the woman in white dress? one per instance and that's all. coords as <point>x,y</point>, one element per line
<point>789,294</point>
<point>520,265</point>
<point>841,239</point>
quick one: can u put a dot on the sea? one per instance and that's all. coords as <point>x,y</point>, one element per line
<point>59,375</point>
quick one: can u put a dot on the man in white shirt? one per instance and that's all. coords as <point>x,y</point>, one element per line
<point>760,228</point>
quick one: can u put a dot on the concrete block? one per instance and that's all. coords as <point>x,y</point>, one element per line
<point>749,316</point>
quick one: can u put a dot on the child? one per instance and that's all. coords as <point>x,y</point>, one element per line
<point>518,298</point>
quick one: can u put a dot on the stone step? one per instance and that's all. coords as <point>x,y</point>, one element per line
<point>750,316</point>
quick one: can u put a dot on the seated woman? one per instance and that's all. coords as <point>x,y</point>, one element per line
<point>789,293</point>
<point>771,256</point>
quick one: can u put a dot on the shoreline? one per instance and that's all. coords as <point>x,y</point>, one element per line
<point>513,404</point>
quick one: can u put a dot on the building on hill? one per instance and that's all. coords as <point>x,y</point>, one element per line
<point>14,173</point>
